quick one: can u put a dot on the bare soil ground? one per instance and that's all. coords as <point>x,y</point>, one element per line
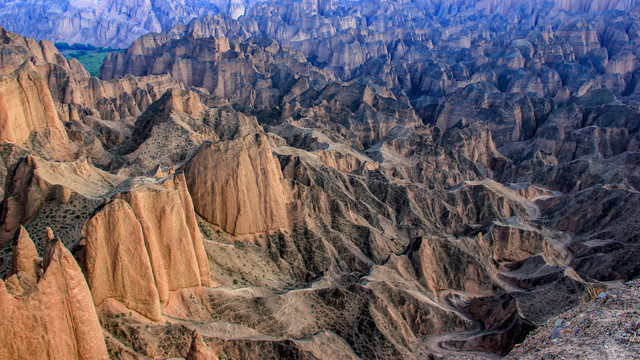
<point>607,327</point>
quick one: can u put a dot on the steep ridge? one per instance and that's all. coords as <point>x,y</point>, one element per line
<point>108,23</point>
<point>71,116</point>
<point>118,22</point>
<point>393,165</point>
<point>36,183</point>
<point>220,58</point>
<point>47,306</point>
<point>239,186</point>
<point>353,189</point>
<point>199,350</point>
<point>43,95</point>
<point>31,110</point>
<point>16,49</point>
<point>143,244</point>
<point>590,330</point>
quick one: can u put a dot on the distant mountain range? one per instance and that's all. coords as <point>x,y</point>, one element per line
<point>118,23</point>
<point>107,22</point>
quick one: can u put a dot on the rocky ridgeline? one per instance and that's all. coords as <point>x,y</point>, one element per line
<point>118,23</point>
<point>47,306</point>
<point>114,23</point>
<point>311,182</point>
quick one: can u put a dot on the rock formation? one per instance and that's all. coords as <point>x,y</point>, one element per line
<point>47,307</point>
<point>143,244</point>
<point>110,273</point>
<point>118,23</point>
<point>16,49</point>
<point>199,350</point>
<point>51,106</point>
<point>355,179</point>
<point>36,183</point>
<point>238,186</point>
<point>26,106</point>
<point>590,330</point>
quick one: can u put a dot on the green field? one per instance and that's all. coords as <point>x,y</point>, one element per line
<point>90,60</point>
<point>91,57</point>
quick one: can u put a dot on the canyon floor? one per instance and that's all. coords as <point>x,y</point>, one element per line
<point>326,180</point>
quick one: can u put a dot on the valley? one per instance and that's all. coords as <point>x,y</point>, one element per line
<point>317,179</point>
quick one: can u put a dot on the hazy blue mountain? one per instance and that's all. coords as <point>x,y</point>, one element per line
<point>118,22</point>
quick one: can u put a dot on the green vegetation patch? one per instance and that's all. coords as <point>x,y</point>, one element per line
<point>91,57</point>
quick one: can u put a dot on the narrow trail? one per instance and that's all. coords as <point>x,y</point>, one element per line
<point>448,298</point>
<point>224,330</point>
<point>436,343</point>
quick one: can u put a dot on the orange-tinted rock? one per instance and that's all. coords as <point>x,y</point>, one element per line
<point>16,49</point>
<point>36,181</point>
<point>171,234</point>
<point>110,100</point>
<point>25,260</point>
<point>199,350</point>
<point>23,197</point>
<point>56,319</point>
<point>144,244</point>
<point>238,186</point>
<point>117,264</point>
<point>26,106</point>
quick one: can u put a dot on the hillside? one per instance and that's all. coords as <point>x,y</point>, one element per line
<point>323,180</point>
<point>604,328</point>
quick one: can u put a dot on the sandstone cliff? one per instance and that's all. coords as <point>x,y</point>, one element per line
<point>416,179</point>
<point>26,106</point>
<point>54,109</point>
<point>238,186</point>
<point>38,186</point>
<point>144,244</point>
<point>47,307</point>
<point>199,350</point>
<point>16,49</point>
<point>219,56</point>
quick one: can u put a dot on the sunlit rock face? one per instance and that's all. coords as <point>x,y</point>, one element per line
<point>239,186</point>
<point>148,238</point>
<point>317,179</point>
<point>47,306</point>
